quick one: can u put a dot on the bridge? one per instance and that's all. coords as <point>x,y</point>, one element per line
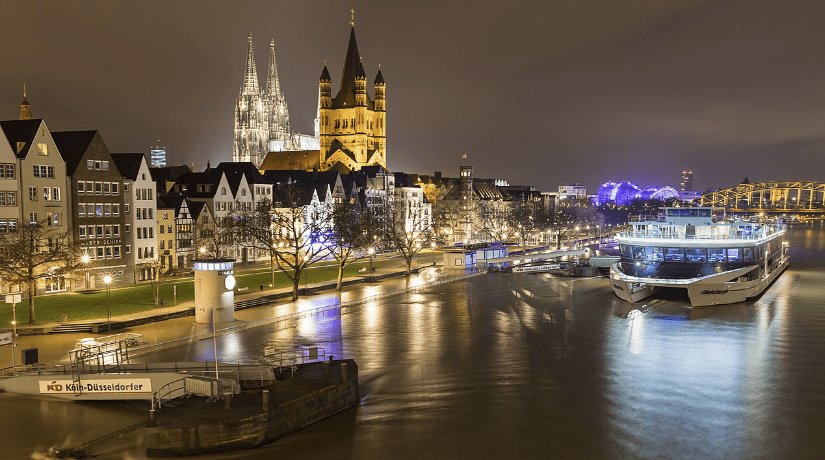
<point>803,197</point>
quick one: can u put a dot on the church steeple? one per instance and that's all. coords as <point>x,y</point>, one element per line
<point>352,61</point>
<point>25,108</point>
<point>250,76</point>
<point>273,85</point>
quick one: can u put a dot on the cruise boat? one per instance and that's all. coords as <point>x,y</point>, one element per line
<point>718,260</point>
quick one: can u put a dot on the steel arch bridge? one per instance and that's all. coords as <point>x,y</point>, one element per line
<point>788,196</point>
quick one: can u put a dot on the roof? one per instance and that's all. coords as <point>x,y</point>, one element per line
<point>305,160</point>
<point>234,171</point>
<point>20,131</point>
<point>73,145</point>
<point>128,164</point>
<point>175,202</point>
<point>192,180</point>
<point>195,208</point>
<point>325,78</point>
<point>352,70</point>
<point>379,79</point>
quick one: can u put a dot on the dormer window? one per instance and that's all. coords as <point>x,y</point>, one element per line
<point>20,146</point>
<point>223,190</point>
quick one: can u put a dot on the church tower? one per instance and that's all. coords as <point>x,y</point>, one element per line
<point>25,108</point>
<point>351,126</point>
<point>251,117</point>
<point>276,103</point>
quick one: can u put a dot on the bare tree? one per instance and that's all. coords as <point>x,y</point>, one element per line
<point>257,227</point>
<point>350,235</point>
<point>33,252</point>
<point>300,224</point>
<point>406,230</point>
<point>495,220</point>
<point>158,276</point>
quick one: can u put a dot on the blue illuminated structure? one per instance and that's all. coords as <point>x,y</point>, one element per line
<point>622,193</point>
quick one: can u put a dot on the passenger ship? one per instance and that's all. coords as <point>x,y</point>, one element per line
<point>718,261</point>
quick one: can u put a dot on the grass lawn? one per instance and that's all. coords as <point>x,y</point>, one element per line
<point>134,299</point>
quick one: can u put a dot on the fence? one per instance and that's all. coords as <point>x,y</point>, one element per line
<point>286,321</point>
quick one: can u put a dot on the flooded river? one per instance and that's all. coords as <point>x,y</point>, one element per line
<point>526,366</point>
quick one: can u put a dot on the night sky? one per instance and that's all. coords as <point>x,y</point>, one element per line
<point>538,93</point>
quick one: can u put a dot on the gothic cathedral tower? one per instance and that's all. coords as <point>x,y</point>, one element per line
<point>251,120</point>
<point>352,127</point>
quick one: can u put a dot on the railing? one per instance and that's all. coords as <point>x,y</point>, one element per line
<point>286,321</point>
<point>681,236</point>
<point>210,387</point>
<point>294,356</point>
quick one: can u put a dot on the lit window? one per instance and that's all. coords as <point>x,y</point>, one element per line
<point>43,149</point>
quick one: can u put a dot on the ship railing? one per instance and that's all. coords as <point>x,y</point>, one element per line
<point>210,387</point>
<point>287,321</point>
<point>678,236</point>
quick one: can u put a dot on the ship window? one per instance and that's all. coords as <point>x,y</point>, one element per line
<point>625,250</point>
<point>696,255</point>
<point>735,255</point>
<point>638,252</point>
<point>716,255</point>
<point>653,253</point>
<point>674,254</point>
<point>748,253</point>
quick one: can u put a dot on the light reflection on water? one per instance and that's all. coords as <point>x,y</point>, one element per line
<point>536,366</point>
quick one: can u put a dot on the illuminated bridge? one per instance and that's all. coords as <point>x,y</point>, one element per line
<point>773,197</point>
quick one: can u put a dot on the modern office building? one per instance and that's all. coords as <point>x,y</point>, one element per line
<point>687,181</point>
<point>157,156</point>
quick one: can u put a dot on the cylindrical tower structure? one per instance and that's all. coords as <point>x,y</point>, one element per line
<point>214,290</point>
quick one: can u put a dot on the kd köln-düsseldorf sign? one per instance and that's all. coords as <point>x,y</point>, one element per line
<point>101,386</point>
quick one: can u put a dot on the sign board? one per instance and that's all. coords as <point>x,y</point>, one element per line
<point>97,386</point>
<point>6,338</point>
<point>13,298</point>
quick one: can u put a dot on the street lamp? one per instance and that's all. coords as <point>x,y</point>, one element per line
<point>108,281</point>
<point>432,250</point>
<point>306,258</point>
<point>371,251</point>
<point>85,259</point>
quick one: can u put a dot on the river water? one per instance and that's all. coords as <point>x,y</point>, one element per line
<point>528,366</point>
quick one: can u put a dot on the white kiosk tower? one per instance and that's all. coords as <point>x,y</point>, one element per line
<point>214,290</point>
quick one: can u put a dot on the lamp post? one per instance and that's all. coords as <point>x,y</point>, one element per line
<point>306,258</point>
<point>108,281</point>
<point>371,251</point>
<point>85,259</point>
<point>202,251</point>
<point>418,248</point>
<point>432,250</point>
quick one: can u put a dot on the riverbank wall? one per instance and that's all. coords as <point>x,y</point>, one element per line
<point>257,416</point>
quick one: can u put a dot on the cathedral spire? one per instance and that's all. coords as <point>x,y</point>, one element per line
<point>273,84</point>
<point>25,108</point>
<point>351,65</point>
<point>250,76</point>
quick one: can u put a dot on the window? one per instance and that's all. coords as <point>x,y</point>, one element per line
<point>115,187</point>
<point>106,187</point>
<point>169,228</point>
<point>107,210</point>
<point>2,198</point>
<point>81,210</point>
<point>43,149</point>
<point>137,213</point>
<point>716,255</point>
<point>162,244</point>
<point>674,255</point>
<point>149,210</point>
<point>126,208</point>
<point>108,252</point>
<point>33,216</point>
<point>47,194</point>
<point>12,225</point>
<point>90,164</point>
<point>127,228</point>
<point>90,187</point>
<point>98,165</point>
<point>99,231</point>
<point>100,252</point>
<point>151,232</point>
<point>223,190</point>
<point>44,171</point>
<point>140,253</point>
<point>90,231</point>
<point>98,188</point>
<point>56,194</point>
<point>160,229</point>
<point>7,171</point>
<point>735,255</point>
<point>105,165</point>
<point>125,188</point>
<point>99,210</point>
<point>696,255</point>
<point>115,210</point>
<point>116,250</point>
<point>170,244</point>
<point>49,219</point>
<point>243,192</point>
<point>116,230</point>
<point>139,233</point>
<point>81,231</point>
<point>128,249</point>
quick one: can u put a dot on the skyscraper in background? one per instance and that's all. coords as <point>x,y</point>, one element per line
<point>687,180</point>
<point>157,156</point>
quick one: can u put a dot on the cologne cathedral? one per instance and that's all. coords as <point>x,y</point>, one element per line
<point>262,117</point>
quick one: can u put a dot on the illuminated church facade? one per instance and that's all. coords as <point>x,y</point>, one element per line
<point>262,116</point>
<point>351,125</point>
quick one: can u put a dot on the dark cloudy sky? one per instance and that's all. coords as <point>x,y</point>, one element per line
<point>539,93</point>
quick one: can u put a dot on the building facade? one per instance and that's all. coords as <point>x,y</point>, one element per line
<point>140,213</point>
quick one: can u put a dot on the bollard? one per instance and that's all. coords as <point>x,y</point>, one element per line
<point>266,400</point>
<point>326,368</point>
<point>227,401</point>
<point>330,358</point>
<point>344,372</point>
<point>213,389</point>
<point>151,414</point>
<point>65,317</point>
